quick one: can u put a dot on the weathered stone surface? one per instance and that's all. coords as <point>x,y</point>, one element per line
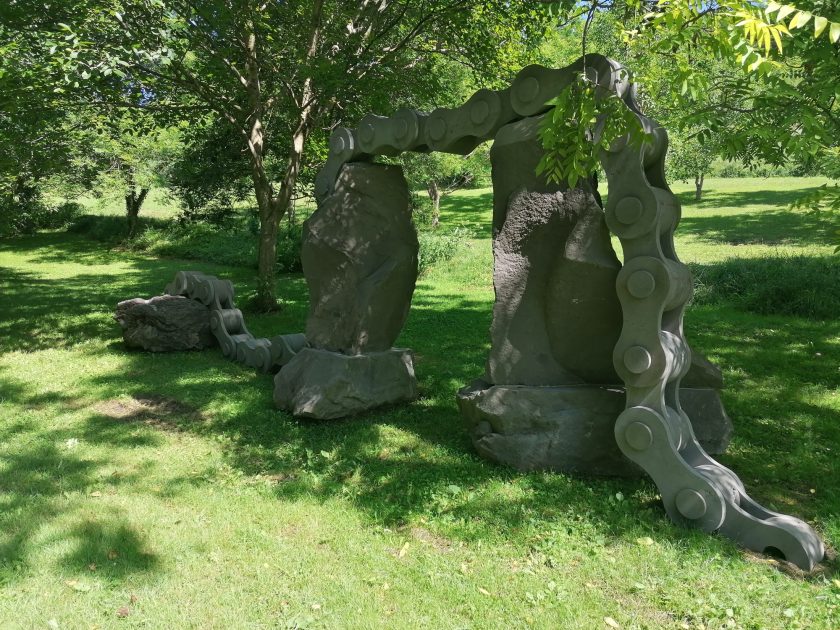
<point>556,318</point>
<point>165,323</point>
<point>702,373</point>
<point>325,385</point>
<point>569,429</point>
<point>709,419</point>
<point>566,429</point>
<point>359,257</point>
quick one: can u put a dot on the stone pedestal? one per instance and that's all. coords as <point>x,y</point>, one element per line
<point>325,385</point>
<point>570,429</point>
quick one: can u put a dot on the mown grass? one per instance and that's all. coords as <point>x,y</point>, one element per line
<point>164,491</point>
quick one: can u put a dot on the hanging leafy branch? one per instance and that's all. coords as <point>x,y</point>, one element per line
<point>823,199</point>
<point>742,32</point>
<point>585,120</point>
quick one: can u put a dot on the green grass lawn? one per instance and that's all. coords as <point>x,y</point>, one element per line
<point>165,491</point>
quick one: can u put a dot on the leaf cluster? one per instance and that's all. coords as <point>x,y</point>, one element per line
<point>585,120</point>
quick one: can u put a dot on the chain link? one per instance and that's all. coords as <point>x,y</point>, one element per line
<point>228,324</point>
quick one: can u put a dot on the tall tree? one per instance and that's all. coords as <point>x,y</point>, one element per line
<point>775,98</point>
<point>279,72</point>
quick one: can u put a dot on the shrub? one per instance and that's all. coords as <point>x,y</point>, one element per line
<point>437,247</point>
<point>198,241</point>
<point>27,217</point>
<point>734,169</point>
<point>288,249</point>
<point>804,286</point>
<point>422,209</point>
<point>234,245</point>
<point>215,214</point>
<point>112,229</point>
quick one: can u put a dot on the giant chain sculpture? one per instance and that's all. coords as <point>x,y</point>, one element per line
<point>228,325</point>
<point>652,355</point>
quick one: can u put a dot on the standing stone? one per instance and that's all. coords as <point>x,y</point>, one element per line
<point>165,323</point>
<point>550,396</point>
<point>556,318</point>
<point>360,261</point>
<point>359,257</point>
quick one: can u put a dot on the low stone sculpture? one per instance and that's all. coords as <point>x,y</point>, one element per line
<point>326,385</point>
<point>359,257</point>
<point>228,325</point>
<point>165,323</point>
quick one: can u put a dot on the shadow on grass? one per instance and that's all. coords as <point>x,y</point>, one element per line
<point>785,434</point>
<point>43,477</point>
<point>474,211</point>
<point>768,227</point>
<point>744,199</point>
<point>400,464</point>
<point>800,286</point>
<point>50,313</point>
<point>413,462</point>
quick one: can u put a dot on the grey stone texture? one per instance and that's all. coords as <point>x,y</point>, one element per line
<point>556,317</point>
<point>551,395</point>
<point>570,429</point>
<point>165,323</point>
<point>709,420</point>
<point>359,257</point>
<point>325,385</point>
<point>567,429</point>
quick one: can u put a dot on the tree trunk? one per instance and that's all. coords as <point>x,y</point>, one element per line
<point>266,299</point>
<point>434,195</point>
<point>133,201</point>
<point>273,207</point>
<point>698,186</point>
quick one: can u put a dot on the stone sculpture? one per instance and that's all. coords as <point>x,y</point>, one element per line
<point>359,257</point>
<point>165,323</point>
<point>587,354</point>
<point>228,325</point>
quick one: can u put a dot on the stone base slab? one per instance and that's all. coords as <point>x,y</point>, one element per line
<point>326,385</point>
<point>570,429</point>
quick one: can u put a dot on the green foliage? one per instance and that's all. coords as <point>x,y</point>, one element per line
<point>32,215</point>
<point>735,169</point>
<point>750,83</point>
<point>824,199</point>
<point>422,209</point>
<point>798,19</point>
<point>438,247</point>
<point>584,121</point>
<point>234,243</point>
<point>111,230</point>
<point>801,286</point>
<point>450,171</point>
<point>688,158</point>
<point>209,173</point>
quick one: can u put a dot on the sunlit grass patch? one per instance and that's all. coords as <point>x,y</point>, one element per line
<point>169,486</point>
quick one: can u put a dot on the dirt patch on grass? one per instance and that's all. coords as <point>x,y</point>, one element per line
<point>425,536</point>
<point>151,409</point>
